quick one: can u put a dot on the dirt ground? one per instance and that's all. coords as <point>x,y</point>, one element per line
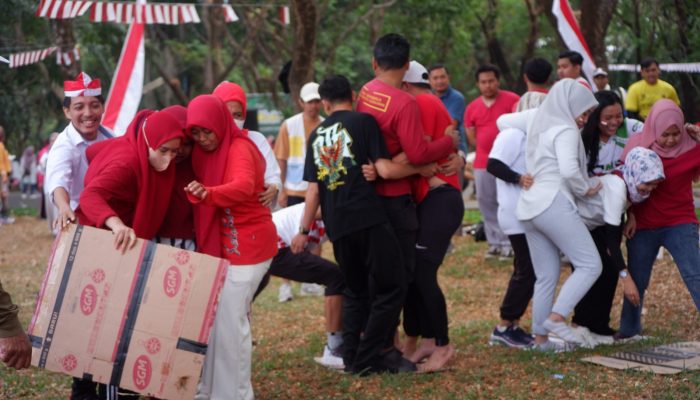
<point>289,335</point>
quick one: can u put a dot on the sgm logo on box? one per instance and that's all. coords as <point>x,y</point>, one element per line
<point>142,372</point>
<point>88,300</point>
<point>172,281</point>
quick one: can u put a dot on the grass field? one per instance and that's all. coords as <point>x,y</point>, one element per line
<point>289,335</point>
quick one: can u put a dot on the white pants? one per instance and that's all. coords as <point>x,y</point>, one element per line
<point>226,373</point>
<point>559,227</point>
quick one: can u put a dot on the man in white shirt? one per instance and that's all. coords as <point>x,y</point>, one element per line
<point>569,66</point>
<point>290,146</point>
<point>308,267</point>
<point>66,166</point>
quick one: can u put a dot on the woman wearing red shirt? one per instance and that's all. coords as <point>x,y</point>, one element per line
<point>668,217</point>
<point>127,188</point>
<point>230,222</point>
<point>141,160</point>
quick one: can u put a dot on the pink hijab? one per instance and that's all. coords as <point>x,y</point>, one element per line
<point>664,114</point>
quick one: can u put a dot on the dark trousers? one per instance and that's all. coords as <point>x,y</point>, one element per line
<point>593,311</point>
<point>522,281</point>
<point>371,262</point>
<point>404,221</point>
<point>84,389</point>
<point>305,267</point>
<point>294,200</point>
<point>425,310</point>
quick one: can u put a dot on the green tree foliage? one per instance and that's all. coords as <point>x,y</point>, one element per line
<point>254,49</point>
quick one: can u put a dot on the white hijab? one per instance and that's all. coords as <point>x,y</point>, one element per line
<point>565,102</point>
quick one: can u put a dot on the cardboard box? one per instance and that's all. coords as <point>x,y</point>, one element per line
<point>139,320</point>
<point>667,359</point>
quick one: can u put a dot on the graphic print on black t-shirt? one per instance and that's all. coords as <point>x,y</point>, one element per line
<point>332,154</point>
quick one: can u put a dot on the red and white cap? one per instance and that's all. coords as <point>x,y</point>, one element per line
<point>83,85</point>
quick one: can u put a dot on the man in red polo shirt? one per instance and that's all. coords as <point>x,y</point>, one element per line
<point>398,116</point>
<point>480,123</point>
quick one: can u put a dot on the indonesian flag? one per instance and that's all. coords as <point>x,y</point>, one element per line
<point>127,85</point>
<point>284,15</point>
<point>571,33</point>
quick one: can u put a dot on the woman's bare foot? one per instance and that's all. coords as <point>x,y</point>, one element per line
<point>438,359</point>
<point>409,346</point>
<point>424,350</point>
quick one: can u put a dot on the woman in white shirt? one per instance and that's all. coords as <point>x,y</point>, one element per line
<point>556,159</point>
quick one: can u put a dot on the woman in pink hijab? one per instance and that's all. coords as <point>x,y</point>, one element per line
<point>667,218</point>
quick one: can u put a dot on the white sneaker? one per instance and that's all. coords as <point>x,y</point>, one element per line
<point>285,293</point>
<point>551,346</point>
<point>330,360</point>
<point>585,337</point>
<point>562,330</point>
<point>311,289</point>
<point>506,254</point>
<point>493,251</point>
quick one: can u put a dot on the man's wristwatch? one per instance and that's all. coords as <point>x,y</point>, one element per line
<point>624,274</point>
<point>303,231</point>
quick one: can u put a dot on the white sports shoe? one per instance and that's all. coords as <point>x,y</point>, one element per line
<point>562,330</point>
<point>311,289</point>
<point>285,293</point>
<point>330,360</point>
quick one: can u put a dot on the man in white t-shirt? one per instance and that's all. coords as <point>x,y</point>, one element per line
<point>310,268</point>
<point>569,66</point>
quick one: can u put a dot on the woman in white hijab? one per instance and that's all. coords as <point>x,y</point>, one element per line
<point>555,157</point>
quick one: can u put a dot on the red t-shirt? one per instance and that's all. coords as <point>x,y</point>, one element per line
<point>435,119</point>
<point>483,119</point>
<point>398,117</point>
<point>671,203</point>
<point>248,235</point>
<point>179,220</point>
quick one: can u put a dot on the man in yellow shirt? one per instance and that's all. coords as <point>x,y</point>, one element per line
<point>644,93</point>
<point>5,175</point>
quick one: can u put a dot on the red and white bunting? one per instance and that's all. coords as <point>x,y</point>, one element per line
<point>69,57</point>
<point>29,57</point>
<point>62,9</point>
<point>127,13</point>
<point>229,14</point>
<point>283,12</point>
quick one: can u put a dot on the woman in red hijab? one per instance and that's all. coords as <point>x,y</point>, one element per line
<point>177,229</point>
<point>230,222</point>
<point>667,218</point>
<point>129,181</point>
<point>127,189</point>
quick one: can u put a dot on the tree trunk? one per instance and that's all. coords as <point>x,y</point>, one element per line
<point>488,28</point>
<point>533,12</point>
<point>595,18</point>
<point>215,25</point>
<point>688,87</point>
<point>304,50</point>
<point>65,41</point>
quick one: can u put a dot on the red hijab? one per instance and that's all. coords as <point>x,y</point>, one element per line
<point>663,115</point>
<point>148,129</point>
<point>179,220</point>
<point>210,112</point>
<point>229,91</point>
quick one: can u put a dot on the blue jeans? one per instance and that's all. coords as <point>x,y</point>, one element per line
<point>682,242</point>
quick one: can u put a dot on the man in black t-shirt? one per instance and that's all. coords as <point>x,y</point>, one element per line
<point>364,243</point>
